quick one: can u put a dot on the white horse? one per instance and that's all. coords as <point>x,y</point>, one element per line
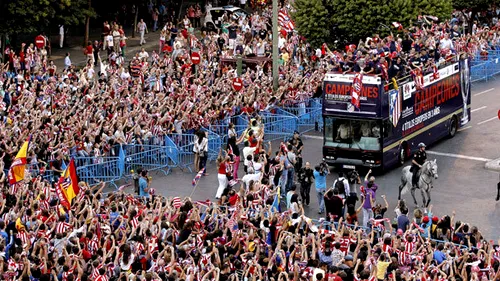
<point>428,171</point>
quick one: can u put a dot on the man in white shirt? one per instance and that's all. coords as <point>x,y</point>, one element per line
<point>143,54</point>
<point>61,36</point>
<point>281,42</point>
<point>446,43</point>
<point>110,43</point>
<point>142,28</point>
<point>342,181</point>
<point>247,151</point>
<point>67,61</point>
<point>125,75</point>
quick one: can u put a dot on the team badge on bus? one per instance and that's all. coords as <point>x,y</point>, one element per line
<point>394,106</point>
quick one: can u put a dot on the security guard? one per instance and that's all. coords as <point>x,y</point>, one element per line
<point>418,160</point>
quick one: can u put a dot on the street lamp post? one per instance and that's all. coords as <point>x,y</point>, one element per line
<point>275,45</point>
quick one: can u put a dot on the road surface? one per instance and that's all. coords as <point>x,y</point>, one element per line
<point>464,185</point>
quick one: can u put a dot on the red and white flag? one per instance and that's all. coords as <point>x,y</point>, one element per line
<point>176,202</point>
<point>134,222</point>
<point>418,78</point>
<point>198,176</point>
<point>285,21</point>
<point>357,85</point>
<point>435,73</point>
<point>397,25</point>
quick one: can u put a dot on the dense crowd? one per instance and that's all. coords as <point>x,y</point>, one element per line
<point>257,230</point>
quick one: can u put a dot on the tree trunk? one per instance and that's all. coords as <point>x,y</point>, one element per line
<point>471,20</point>
<point>135,21</point>
<point>3,38</point>
<point>87,26</point>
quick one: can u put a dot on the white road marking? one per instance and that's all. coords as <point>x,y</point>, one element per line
<point>313,137</point>
<point>484,92</point>
<point>476,109</point>
<point>487,120</point>
<point>464,128</point>
<point>459,156</point>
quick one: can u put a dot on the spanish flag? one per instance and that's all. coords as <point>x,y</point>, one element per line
<point>16,171</point>
<point>68,188</point>
<point>19,224</point>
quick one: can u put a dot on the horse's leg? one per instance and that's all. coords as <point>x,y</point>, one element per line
<point>401,188</point>
<point>423,197</point>
<point>428,191</point>
<point>498,191</point>
<point>413,195</point>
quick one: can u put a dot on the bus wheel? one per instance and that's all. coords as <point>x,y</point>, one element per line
<point>452,131</point>
<point>402,154</point>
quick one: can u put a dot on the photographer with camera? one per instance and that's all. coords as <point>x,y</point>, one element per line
<point>320,173</point>
<point>305,177</point>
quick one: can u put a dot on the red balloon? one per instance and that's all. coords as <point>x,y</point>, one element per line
<point>498,114</point>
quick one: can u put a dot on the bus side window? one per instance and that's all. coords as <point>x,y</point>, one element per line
<point>388,127</point>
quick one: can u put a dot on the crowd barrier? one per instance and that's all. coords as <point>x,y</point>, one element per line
<point>485,66</point>
<point>308,115</point>
<point>176,150</point>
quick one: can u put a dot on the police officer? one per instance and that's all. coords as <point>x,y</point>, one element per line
<point>418,160</point>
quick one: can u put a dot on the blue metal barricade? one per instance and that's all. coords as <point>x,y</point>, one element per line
<point>278,127</point>
<point>149,157</point>
<point>102,169</point>
<point>36,170</point>
<point>485,67</point>
<point>308,115</point>
<point>172,151</point>
<point>185,144</point>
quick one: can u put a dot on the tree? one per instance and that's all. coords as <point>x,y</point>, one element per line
<point>312,21</point>
<point>439,8</point>
<point>474,6</point>
<point>357,19</point>
<point>28,16</point>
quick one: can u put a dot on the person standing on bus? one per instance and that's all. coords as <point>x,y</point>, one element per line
<point>418,160</point>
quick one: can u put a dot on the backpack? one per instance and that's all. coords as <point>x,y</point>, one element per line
<point>339,184</point>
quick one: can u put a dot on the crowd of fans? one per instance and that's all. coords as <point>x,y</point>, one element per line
<point>244,235</point>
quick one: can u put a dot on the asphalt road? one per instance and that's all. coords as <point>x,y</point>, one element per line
<point>464,185</point>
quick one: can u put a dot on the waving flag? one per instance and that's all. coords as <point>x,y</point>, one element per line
<point>418,78</point>
<point>397,25</point>
<point>68,188</point>
<point>177,202</point>
<point>198,176</point>
<point>284,20</point>
<point>357,85</point>
<point>276,203</point>
<point>16,171</point>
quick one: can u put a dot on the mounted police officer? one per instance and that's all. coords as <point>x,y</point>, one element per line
<point>418,160</point>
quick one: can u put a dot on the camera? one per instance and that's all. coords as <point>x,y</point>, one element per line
<point>323,168</point>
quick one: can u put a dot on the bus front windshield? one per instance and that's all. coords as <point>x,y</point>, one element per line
<point>352,133</point>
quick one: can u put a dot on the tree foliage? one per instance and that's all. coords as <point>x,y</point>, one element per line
<point>357,19</point>
<point>26,16</point>
<point>312,20</point>
<point>473,4</point>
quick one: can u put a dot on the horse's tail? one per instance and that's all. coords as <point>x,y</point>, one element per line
<point>404,180</point>
<point>405,186</point>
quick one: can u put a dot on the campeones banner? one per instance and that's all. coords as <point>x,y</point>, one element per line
<point>427,105</point>
<point>336,91</point>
